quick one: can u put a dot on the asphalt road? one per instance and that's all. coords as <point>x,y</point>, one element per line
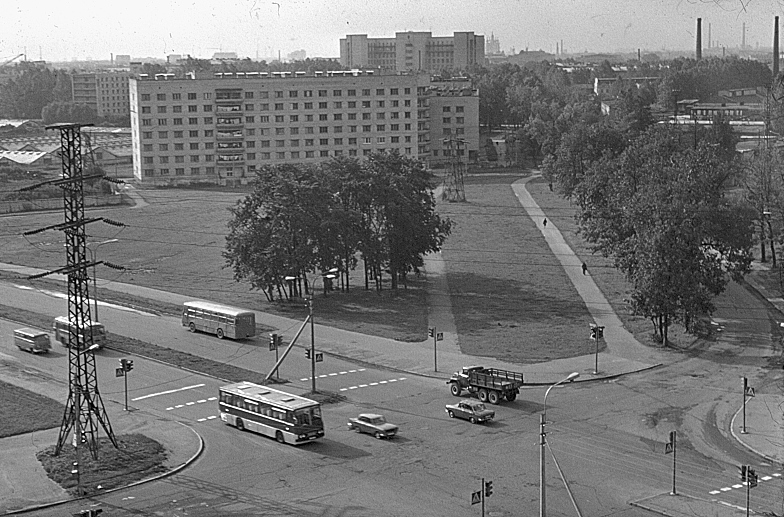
<point>608,437</point>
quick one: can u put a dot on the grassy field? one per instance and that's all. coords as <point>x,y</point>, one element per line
<point>22,411</point>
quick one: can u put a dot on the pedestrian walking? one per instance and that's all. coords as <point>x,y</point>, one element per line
<point>585,268</point>
<point>544,223</point>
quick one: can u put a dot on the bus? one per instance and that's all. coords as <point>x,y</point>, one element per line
<point>287,418</point>
<point>221,320</point>
<point>61,327</point>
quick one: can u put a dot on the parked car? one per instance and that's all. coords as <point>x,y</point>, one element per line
<point>373,424</point>
<point>471,410</point>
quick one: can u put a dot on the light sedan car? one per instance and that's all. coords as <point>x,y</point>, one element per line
<point>373,424</point>
<point>471,410</point>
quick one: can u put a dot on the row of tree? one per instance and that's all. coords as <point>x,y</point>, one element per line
<point>304,219</point>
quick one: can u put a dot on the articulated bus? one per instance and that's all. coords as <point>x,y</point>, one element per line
<point>287,418</point>
<point>221,320</point>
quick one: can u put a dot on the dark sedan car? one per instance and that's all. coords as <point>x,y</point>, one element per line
<point>471,410</point>
<point>373,424</point>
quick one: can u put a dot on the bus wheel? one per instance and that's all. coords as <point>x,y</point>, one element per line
<point>219,333</point>
<point>279,437</point>
<point>240,425</point>
<point>192,327</point>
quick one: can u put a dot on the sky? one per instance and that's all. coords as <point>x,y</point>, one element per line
<point>56,30</point>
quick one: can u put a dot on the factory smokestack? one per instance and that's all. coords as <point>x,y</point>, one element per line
<point>709,35</point>
<point>743,39</point>
<point>698,54</point>
<point>776,48</point>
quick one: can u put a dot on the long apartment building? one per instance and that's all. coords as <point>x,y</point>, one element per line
<point>413,51</point>
<point>106,92</point>
<point>222,128</point>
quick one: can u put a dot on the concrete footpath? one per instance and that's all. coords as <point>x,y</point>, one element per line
<point>26,484</point>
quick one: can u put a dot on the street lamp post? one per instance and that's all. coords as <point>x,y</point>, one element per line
<point>93,254</point>
<point>543,442</point>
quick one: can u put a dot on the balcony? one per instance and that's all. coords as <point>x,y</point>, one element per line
<point>226,134</point>
<point>229,122</point>
<point>229,108</point>
<point>229,159</point>
<point>231,147</point>
<point>228,96</point>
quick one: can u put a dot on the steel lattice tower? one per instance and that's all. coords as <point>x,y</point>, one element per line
<point>84,409</point>
<point>454,190</point>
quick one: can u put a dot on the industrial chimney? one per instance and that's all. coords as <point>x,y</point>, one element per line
<point>776,48</point>
<point>698,54</point>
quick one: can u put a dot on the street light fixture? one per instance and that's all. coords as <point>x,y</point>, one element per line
<point>92,260</point>
<point>542,486</point>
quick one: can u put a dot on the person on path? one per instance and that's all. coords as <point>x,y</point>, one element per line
<point>585,268</point>
<point>544,223</point>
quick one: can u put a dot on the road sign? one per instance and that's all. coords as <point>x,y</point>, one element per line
<point>119,372</point>
<point>440,336</point>
<point>319,357</point>
<point>668,448</point>
<point>749,391</point>
<point>476,497</point>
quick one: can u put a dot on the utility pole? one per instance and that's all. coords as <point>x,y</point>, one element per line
<point>542,489</point>
<point>454,189</point>
<point>312,347</point>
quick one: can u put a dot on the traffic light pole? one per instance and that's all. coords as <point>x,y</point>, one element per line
<point>483,497</point>
<point>745,387</point>
<point>312,347</point>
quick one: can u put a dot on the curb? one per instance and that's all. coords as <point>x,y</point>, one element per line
<point>744,444</point>
<point>156,477</point>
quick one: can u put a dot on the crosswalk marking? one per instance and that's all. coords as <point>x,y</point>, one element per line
<point>742,485</point>
<point>372,384</point>
<point>334,374</point>
<point>202,401</point>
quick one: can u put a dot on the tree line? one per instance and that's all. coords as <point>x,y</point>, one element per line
<point>302,220</point>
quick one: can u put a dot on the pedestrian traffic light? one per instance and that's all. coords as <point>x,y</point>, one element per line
<point>307,353</point>
<point>488,488</point>
<point>744,474</point>
<point>431,332</point>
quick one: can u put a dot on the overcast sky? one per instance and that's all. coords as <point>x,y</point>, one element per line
<point>57,30</point>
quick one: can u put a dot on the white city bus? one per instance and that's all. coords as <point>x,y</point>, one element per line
<point>221,320</point>
<point>287,418</point>
<point>62,332</point>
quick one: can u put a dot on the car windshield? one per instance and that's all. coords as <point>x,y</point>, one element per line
<point>378,420</point>
<point>478,406</point>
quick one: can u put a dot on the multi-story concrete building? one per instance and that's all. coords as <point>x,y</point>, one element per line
<point>105,92</point>
<point>221,129</point>
<point>413,51</point>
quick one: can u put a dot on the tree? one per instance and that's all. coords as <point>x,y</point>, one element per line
<point>25,95</point>
<point>68,112</point>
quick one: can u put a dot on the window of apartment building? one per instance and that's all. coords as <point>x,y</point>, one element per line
<point>395,139</point>
<point>459,130</point>
<point>365,104</point>
<point>280,118</point>
<point>394,127</point>
<point>163,159</point>
<point>264,119</point>
<point>338,141</point>
<point>163,134</point>
<point>367,140</point>
<point>351,93</point>
<point>293,130</point>
<point>395,104</point>
<point>208,120</point>
<point>194,158</point>
<point>352,104</point>
<point>207,96</point>
<point>249,107</point>
<point>407,127</point>
<point>307,93</point>
<point>309,154</point>
<point>366,91</point>
<point>308,105</point>
<point>161,96</point>
<point>393,91</point>
<point>145,96</point>
<point>293,93</point>
<point>251,156</point>
<point>447,131</point>
<point>148,147</point>
<point>209,145</point>
<point>407,103</point>
<point>308,118</point>
<point>263,95</point>
<point>337,93</point>
<point>162,121</point>
<point>179,146</point>
<point>395,114</point>
<point>278,94</point>
<point>264,107</point>
<point>207,107</point>
<point>280,155</point>
<point>295,105</point>
<point>250,132</point>
<point>179,159</point>
<point>146,122</point>
<point>250,119</point>
<point>176,109</point>
<point>193,120</point>
<point>280,143</point>
<point>191,96</point>
<point>265,143</point>
<point>366,116</point>
<point>164,172</point>
<point>324,154</point>
<point>447,109</point>
<point>177,121</point>
<point>367,128</point>
<point>208,158</point>
<point>148,159</point>
<point>145,109</point>
<point>380,116</point>
<point>337,105</point>
<point>447,120</point>
<point>459,120</point>
<point>322,105</point>
<point>193,134</point>
<point>407,114</point>
<point>381,127</point>
<point>322,93</point>
<point>278,106</point>
<point>194,146</point>
<point>309,142</point>
<point>379,104</point>
<point>280,130</point>
<point>294,143</point>
<point>459,109</point>
<point>195,171</point>
<point>352,116</point>
<point>379,91</point>
<point>323,116</point>
<point>146,134</point>
<point>324,141</point>
<point>265,156</point>
<point>381,139</point>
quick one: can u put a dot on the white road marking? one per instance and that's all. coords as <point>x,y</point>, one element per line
<point>714,492</point>
<point>766,478</point>
<point>167,392</point>
<point>737,486</point>
<point>372,384</point>
<point>725,489</point>
<point>334,374</point>
<point>205,419</point>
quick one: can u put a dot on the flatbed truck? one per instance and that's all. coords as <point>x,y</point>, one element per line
<point>489,384</point>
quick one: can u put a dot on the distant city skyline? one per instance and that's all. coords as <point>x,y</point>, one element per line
<point>80,30</point>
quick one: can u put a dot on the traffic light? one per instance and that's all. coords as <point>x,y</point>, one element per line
<point>307,353</point>
<point>752,477</point>
<point>126,365</point>
<point>279,341</point>
<point>273,341</point>
<point>431,332</point>
<point>597,332</point>
<point>75,469</point>
<point>488,488</point>
<point>744,472</point>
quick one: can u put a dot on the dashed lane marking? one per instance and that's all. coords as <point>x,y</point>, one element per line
<point>333,374</point>
<point>372,384</point>
<point>202,401</point>
<point>167,392</point>
<point>208,418</point>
